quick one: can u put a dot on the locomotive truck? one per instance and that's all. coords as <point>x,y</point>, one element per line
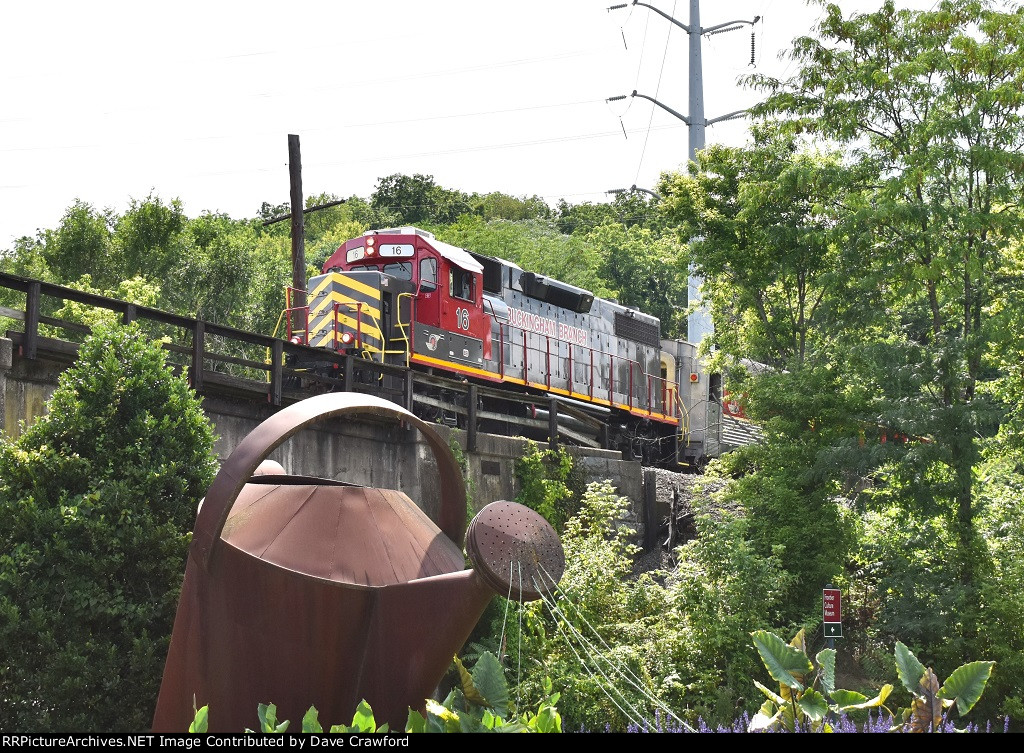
<point>402,297</point>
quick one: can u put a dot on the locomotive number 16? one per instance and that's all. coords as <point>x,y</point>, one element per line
<point>462,318</point>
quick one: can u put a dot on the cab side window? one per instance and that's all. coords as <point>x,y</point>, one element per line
<point>428,274</point>
<point>460,284</point>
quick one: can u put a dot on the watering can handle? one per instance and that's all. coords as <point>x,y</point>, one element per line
<point>265,438</point>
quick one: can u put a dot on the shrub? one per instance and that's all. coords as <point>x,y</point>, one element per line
<point>97,504</point>
<point>549,483</point>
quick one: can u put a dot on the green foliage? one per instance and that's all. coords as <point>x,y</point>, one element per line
<point>82,244</point>
<point>930,105</point>
<point>962,688</point>
<point>763,228</point>
<point>463,462</point>
<point>645,268</point>
<point>97,504</point>
<point>137,290</point>
<point>793,493</point>
<point>480,704</point>
<point>418,200</point>
<point>267,713</point>
<point>501,206</point>
<point>148,237</point>
<point>1001,598</point>
<point>628,209</point>
<point>546,478</point>
<point>201,721</point>
<point>535,245</point>
<point>720,588</point>
<point>614,641</point>
<point>799,706</point>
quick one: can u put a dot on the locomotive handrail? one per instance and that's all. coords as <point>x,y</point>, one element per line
<point>611,358</point>
<point>401,326</point>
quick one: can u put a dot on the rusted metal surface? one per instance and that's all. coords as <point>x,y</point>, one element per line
<point>515,551</point>
<point>302,591</point>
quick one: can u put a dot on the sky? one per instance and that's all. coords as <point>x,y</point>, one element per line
<point>112,101</point>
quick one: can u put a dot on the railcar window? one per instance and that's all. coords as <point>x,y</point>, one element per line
<point>401,270</point>
<point>428,274</point>
<point>460,284</point>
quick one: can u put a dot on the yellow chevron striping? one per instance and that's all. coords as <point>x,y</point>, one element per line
<point>341,278</point>
<point>324,282</point>
<point>326,305</point>
<point>328,340</point>
<point>366,331</point>
<point>361,287</point>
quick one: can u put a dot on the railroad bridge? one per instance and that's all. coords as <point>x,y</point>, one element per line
<point>242,378</point>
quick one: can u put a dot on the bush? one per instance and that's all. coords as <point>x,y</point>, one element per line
<point>627,651</point>
<point>549,484</point>
<point>97,504</point>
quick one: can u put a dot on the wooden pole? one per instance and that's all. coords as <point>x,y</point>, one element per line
<point>298,232</point>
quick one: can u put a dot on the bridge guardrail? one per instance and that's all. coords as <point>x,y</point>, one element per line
<point>193,343</point>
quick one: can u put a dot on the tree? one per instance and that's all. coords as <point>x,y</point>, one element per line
<point>931,102</point>
<point>82,243</point>
<point>536,246</point>
<point>418,199</point>
<point>628,209</point>
<point>766,227</point>
<point>644,270</point>
<point>97,502</point>
<point>501,206</point>
<point>148,237</point>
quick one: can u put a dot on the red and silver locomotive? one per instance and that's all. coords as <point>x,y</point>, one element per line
<point>402,297</point>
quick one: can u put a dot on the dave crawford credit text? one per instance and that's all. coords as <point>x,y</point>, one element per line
<point>300,741</point>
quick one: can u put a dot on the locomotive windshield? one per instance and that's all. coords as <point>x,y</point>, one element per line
<point>401,270</point>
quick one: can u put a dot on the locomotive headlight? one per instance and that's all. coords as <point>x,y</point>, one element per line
<point>346,339</point>
<point>370,241</point>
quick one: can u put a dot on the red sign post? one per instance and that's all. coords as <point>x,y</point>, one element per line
<point>832,612</point>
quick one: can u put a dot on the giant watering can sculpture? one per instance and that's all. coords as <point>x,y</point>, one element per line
<point>309,592</point>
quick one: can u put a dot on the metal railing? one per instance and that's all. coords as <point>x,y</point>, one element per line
<point>651,398</point>
<point>189,342</point>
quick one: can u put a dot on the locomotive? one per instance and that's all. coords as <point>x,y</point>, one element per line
<point>402,297</point>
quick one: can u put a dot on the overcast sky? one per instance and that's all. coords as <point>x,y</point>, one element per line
<point>109,101</point>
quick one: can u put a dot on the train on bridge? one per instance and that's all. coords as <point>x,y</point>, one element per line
<point>403,298</point>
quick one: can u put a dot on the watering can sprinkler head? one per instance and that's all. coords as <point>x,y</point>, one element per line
<point>515,551</point>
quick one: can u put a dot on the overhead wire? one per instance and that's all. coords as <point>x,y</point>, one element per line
<point>657,90</point>
<point>624,670</point>
<point>635,717</point>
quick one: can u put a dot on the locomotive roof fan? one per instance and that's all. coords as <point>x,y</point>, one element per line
<point>312,592</point>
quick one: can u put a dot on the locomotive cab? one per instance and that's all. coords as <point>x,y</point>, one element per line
<point>433,290</point>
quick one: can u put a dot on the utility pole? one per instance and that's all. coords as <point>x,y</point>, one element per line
<point>699,323</point>
<point>298,233</point>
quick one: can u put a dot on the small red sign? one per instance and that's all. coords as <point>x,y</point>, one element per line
<point>831,605</point>
<point>732,404</point>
